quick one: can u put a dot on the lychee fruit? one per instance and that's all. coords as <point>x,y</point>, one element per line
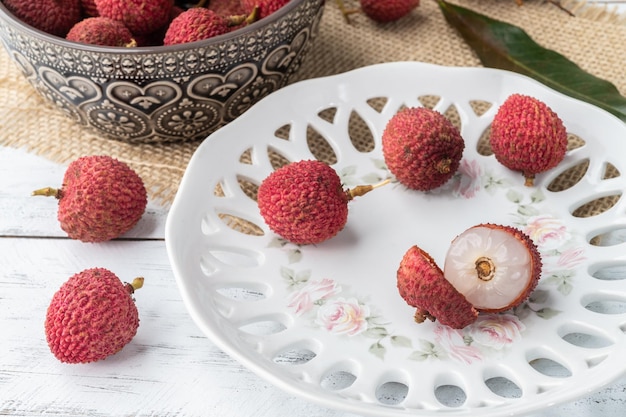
<point>55,17</point>
<point>422,148</point>
<point>305,203</point>
<point>141,17</point>
<point>92,316</point>
<point>494,267</point>
<point>101,31</point>
<point>228,7</point>
<point>387,10</point>
<point>195,24</point>
<point>527,136</point>
<point>422,285</point>
<point>100,198</point>
<point>266,7</point>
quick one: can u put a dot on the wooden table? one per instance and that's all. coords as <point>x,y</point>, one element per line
<point>170,368</point>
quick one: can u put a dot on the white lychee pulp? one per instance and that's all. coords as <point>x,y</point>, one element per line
<point>490,267</point>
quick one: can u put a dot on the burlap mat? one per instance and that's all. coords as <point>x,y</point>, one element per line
<point>595,39</point>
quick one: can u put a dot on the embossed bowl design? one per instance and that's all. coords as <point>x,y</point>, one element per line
<point>164,93</point>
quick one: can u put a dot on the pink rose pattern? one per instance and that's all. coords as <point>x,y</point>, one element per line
<point>312,292</point>
<point>341,316</point>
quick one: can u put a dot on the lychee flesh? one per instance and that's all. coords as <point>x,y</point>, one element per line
<point>101,31</point>
<point>304,202</point>
<point>100,199</point>
<point>387,10</point>
<point>195,24</point>
<point>422,285</point>
<point>141,17</point>
<point>527,136</point>
<point>495,267</point>
<point>55,17</point>
<point>91,316</point>
<point>422,148</point>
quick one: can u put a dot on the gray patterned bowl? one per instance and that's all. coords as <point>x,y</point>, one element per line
<point>165,93</point>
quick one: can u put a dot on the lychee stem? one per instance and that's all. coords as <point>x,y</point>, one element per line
<point>422,315</point>
<point>135,285</point>
<point>346,12</point>
<point>444,166</point>
<point>48,192</point>
<point>529,180</point>
<point>361,190</point>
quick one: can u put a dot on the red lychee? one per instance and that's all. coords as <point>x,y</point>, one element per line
<point>100,199</point>
<point>91,317</point>
<point>527,136</point>
<point>422,148</point>
<point>55,17</point>
<point>387,10</point>
<point>305,203</point>
<point>266,7</point>
<point>422,285</point>
<point>227,7</point>
<point>495,267</point>
<point>141,17</point>
<point>101,31</point>
<point>195,24</point>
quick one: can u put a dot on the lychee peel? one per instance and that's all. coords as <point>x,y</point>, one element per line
<point>101,31</point>
<point>100,199</point>
<point>55,17</point>
<point>495,267</point>
<point>195,24</point>
<point>141,17</point>
<point>422,148</point>
<point>265,7</point>
<point>527,136</point>
<point>91,316</point>
<point>422,285</point>
<point>387,10</point>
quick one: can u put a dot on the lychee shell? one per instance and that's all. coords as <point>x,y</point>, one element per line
<point>422,285</point>
<point>90,317</point>
<point>193,25</point>
<point>55,17</point>
<point>100,31</point>
<point>422,148</point>
<point>101,198</point>
<point>141,17</point>
<point>304,202</point>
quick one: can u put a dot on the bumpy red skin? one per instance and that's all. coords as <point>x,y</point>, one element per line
<point>422,285</point>
<point>527,136</point>
<point>193,25</point>
<point>101,198</point>
<point>142,17</point>
<point>388,10</point>
<point>536,265</point>
<point>55,17</point>
<point>266,7</point>
<point>304,202</point>
<point>100,31</point>
<point>416,141</point>
<point>91,317</point>
<point>227,7</point>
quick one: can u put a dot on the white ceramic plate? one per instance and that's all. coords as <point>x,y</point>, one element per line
<point>326,321</point>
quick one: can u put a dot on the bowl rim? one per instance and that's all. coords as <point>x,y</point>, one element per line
<point>7,16</point>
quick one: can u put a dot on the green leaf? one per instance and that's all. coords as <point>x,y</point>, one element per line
<point>505,46</point>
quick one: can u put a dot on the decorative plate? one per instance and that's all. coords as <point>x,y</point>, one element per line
<point>326,322</point>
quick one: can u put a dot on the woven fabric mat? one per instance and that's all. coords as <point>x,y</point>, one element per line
<point>594,39</point>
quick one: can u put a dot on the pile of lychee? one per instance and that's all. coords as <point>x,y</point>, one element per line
<point>488,267</point>
<point>130,23</point>
<point>93,314</point>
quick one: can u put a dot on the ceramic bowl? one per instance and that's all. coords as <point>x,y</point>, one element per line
<point>164,93</point>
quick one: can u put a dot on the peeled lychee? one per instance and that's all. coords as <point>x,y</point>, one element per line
<point>55,17</point>
<point>304,202</point>
<point>495,267</point>
<point>101,31</point>
<point>422,148</point>
<point>195,24</point>
<point>91,317</point>
<point>527,136</point>
<point>387,10</point>
<point>100,199</point>
<point>422,285</point>
<point>141,17</point>
<point>266,7</point>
